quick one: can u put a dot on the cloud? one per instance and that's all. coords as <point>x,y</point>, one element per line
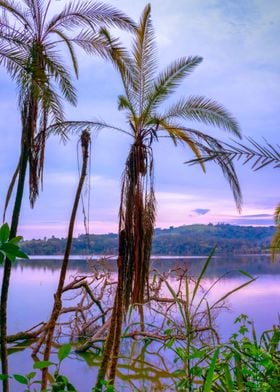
<point>257,216</point>
<point>253,219</point>
<point>201,211</point>
<point>251,222</point>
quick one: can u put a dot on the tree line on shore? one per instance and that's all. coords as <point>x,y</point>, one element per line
<point>186,240</point>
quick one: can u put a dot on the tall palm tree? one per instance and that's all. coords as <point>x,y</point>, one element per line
<point>29,44</point>
<point>144,92</point>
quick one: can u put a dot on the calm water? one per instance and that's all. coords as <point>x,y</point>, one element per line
<point>34,282</point>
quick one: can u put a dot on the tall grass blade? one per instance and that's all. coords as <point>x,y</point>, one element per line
<point>204,269</point>
<point>210,374</point>
<point>232,292</point>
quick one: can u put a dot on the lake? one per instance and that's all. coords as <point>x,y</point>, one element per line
<point>33,283</point>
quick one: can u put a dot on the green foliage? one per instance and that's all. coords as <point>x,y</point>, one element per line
<point>245,363</point>
<point>106,387</point>
<point>198,355</point>
<point>59,382</point>
<point>253,364</point>
<point>10,248</point>
<point>64,352</point>
<point>275,243</point>
<point>183,240</point>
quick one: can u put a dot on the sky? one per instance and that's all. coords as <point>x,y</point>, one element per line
<point>239,43</point>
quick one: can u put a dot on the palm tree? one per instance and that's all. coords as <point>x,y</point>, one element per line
<point>144,92</point>
<point>29,43</point>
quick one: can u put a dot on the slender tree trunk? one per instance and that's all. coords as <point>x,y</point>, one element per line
<point>112,344</point>
<point>107,354</point>
<point>85,140</point>
<point>117,337</point>
<point>8,264</point>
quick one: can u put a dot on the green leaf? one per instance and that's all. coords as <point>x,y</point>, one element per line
<point>10,248</point>
<point>42,364</point>
<point>12,251</point>
<point>4,377</point>
<point>31,375</point>
<point>61,379</point>
<point>64,351</point>
<point>20,379</point>
<point>210,373</point>
<point>10,256</point>
<point>4,233</point>
<point>21,254</point>
<point>15,240</point>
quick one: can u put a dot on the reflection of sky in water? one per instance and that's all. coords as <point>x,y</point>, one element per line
<point>32,286</point>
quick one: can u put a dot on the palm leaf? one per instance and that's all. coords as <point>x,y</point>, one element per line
<point>69,45</point>
<point>167,81</point>
<point>89,14</point>
<point>144,58</point>
<point>61,76</point>
<point>178,133</point>
<point>258,155</point>
<point>10,190</point>
<point>16,9</point>
<point>206,145</point>
<point>204,110</point>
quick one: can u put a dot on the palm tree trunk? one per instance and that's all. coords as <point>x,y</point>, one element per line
<point>85,140</point>
<point>8,265</point>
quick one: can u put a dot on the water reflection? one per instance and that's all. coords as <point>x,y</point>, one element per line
<point>34,282</point>
<point>253,264</point>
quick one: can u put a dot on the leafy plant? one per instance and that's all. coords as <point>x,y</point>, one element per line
<point>59,383</point>
<point>249,363</point>
<point>10,248</point>
<point>198,353</point>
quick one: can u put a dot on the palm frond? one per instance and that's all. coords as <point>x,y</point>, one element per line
<point>201,144</point>
<point>65,39</point>
<point>90,14</point>
<point>277,215</point>
<point>11,59</point>
<point>144,58</point>
<point>60,74</point>
<point>66,128</point>
<point>168,80</point>
<point>10,190</point>
<point>255,154</point>
<point>179,133</point>
<point>20,14</point>
<point>227,168</point>
<point>122,60</point>
<point>197,108</point>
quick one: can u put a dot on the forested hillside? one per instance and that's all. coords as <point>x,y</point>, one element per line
<point>179,241</point>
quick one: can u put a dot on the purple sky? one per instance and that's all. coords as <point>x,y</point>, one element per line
<point>239,41</point>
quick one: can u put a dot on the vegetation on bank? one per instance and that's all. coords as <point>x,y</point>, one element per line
<point>187,240</point>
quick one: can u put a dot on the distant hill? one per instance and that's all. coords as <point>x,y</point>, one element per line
<point>177,241</point>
